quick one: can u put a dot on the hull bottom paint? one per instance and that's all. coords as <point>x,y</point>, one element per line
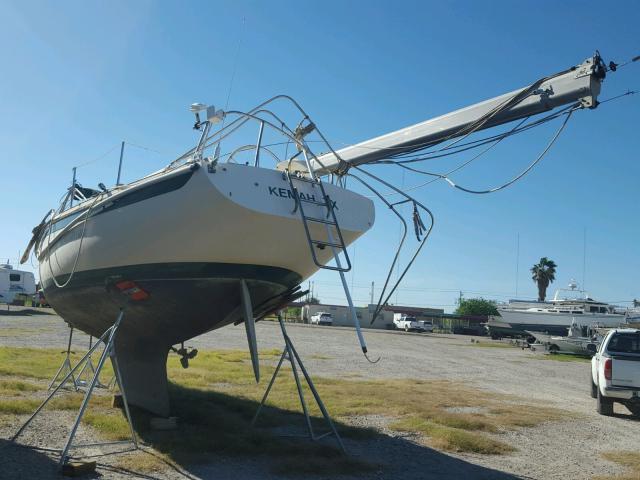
<point>181,301</point>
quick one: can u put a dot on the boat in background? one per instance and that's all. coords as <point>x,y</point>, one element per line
<point>575,342</point>
<point>568,306</point>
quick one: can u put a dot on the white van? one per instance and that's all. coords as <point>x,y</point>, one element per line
<point>322,318</point>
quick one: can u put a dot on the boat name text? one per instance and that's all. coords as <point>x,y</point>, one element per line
<point>286,193</point>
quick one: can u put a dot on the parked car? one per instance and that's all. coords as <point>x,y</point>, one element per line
<point>410,324</point>
<point>615,371</point>
<point>322,318</point>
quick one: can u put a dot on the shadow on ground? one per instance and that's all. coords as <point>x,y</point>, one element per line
<point>215,440</point>
<point>23,312</point>
<point>17,461</point>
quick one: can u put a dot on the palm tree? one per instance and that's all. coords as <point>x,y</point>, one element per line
<point>543,274</point>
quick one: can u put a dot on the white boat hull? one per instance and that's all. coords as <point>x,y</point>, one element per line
<point>186,240</point>
<point>515,317</point>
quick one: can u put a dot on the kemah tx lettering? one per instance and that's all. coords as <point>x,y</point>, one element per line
<point>286,193</point>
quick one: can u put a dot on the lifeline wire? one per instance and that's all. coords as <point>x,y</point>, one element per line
<point>100,157</point>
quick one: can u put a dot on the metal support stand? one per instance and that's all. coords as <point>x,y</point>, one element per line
<point>291,354</point>
<point>89,370</point>
<point>65,367</point>
<point>107,338</point>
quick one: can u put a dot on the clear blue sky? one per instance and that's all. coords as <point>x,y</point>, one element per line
<point>77,77</point>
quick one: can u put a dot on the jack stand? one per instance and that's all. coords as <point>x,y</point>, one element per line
<point>291,354</point>
<point>65,367</point>
<point>107,338</point>
<point>90,372</point>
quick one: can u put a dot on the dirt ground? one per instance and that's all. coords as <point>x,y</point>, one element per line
<point>569,450</point>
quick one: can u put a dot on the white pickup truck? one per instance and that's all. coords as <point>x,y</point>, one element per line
<point>407,323</point>
<point>615,371</point>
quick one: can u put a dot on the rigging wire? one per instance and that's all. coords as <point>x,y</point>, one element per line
<point>521,174</point>
<point>628,92</point>
<point>464,164</point>
<point>567,111</point>
<point>142,147</point>
<point>100,157</point>
<point>427,233</point>
<point>482,141</point>
<point>465,131</point>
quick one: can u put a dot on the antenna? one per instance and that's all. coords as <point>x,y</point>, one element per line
<point>120,163</point>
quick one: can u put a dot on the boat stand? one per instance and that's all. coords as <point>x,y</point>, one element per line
<point>88,371</point>
<point>291,354</point>
<point>107,338</point>
<point>65,368</point>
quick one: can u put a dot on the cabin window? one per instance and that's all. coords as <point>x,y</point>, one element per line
<point>577,311</point>
<point>593,309</point>
<point>60,224</point>
<point>14,277</point>
<point>603,309</point>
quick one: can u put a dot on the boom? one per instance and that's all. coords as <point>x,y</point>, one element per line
<point>580,84</point>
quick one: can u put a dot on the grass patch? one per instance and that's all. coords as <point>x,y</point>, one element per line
<point>38,363</point>
<point>216,398</point>
<point>565,357</point>
<point>453,438</point>
<point>21,332</point>
<point>143,462</point>
<point>18,406</point>
<point>111,424</point>
<point>629,459</point>
<point>12,387</point>
<point>428,406</point>
<point>318,356</point>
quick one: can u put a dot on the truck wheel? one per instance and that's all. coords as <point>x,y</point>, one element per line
<point>406,329</point>
<point>604,405</point>
<point>594,389</point>
<point>554,348</point>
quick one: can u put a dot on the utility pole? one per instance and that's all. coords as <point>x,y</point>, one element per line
<point>460,298</point>
<point>517,261</point>
<point>584,257</point>
<point>372,287</point>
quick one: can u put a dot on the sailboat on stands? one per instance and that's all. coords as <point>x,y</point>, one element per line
<point>227,232</point>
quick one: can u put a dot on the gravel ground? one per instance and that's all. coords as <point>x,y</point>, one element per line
<point>567,450</point>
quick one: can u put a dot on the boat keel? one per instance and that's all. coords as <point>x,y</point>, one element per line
<point>143,367</point>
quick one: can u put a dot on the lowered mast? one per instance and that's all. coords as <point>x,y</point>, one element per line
<point>580,84</point>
